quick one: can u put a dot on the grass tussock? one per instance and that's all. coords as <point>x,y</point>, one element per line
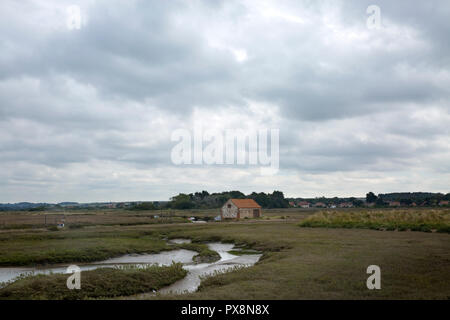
<point>205,255</point>
<point>243,252</point>
<point>99,283</point>
<point>215,279</point>
<point>400,220</point>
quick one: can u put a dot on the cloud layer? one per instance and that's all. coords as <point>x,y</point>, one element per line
<point>87,114</point>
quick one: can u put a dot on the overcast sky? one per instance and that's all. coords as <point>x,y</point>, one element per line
<point>87,114</point>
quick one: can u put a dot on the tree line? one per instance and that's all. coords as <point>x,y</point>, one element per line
<point>206,200</point>
<point>407,198</point>
<point>276,199</point>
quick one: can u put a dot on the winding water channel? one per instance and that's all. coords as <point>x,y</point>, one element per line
<point>189,283</point>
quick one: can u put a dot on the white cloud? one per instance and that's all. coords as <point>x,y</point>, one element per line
<point>87,114</point>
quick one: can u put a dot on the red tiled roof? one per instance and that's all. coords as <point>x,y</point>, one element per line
<point>245,203</point>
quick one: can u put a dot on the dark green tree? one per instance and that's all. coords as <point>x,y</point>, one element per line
<point>144,206</point>
<point>371,197</point>
<point>182,201</point>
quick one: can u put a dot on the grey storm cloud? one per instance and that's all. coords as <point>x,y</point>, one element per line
<point>94,108</point>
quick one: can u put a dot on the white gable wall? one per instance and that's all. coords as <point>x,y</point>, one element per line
<point>229,210</point>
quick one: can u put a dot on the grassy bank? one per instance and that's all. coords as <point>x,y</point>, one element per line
<point>318,263</point>
<point>99,283</point>
<point>243,252</point>
<point>40,248</point>
<point>28,248</point>
<point>204,253</point>
<point>400,220</point>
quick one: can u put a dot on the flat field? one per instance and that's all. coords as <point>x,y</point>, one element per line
<point>298,262</point>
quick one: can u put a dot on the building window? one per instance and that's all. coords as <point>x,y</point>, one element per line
<point>229,206</point>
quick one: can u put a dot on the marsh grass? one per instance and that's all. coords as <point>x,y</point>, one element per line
<point>88,245</point>
<point>13,220</point>
<point>79,245</point>
<point>205,255</point>
<point>243,252</point>
<point>400,220</point>
<point>18,278</point>
<point>298,263</point>
<point>213,279</point>
<point>320,263</point>
<point>98,283</point>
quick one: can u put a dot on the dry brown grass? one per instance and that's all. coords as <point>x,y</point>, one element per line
<point>392,219</point>
<point>317,263</point>
<point>24,219</point>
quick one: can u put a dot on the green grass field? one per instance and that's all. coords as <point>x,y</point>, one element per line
<point>297,263</point>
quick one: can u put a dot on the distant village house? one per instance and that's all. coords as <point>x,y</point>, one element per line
<point>303,204</point>
<point>320,205</point>
<point>346,205</point>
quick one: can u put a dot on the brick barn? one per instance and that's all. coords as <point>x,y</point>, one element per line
<point>240,208</point>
